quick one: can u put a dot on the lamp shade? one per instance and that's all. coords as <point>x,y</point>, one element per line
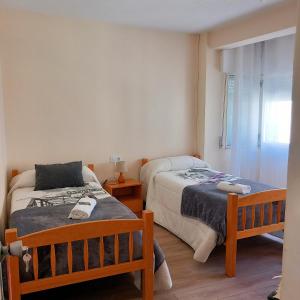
<point>121,166</point>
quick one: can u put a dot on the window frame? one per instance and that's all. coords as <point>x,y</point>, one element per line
<point>224,143</point>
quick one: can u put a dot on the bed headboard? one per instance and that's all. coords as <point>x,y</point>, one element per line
<point>145,160</point>
<point>15,172</point>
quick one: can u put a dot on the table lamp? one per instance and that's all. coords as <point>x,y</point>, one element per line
<point>121,168</point>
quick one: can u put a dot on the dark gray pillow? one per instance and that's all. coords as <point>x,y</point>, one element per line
<point>58,176</point>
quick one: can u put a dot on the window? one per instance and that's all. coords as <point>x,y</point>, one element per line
<point>257,106</point>
<point>228,111</point>
<point>276,121</point>
<point>275,114</point>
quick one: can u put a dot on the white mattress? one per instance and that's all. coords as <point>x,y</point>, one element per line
<point>165,201</point>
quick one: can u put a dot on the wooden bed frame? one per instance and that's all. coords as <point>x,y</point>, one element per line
<point>83,231</point>
<point>236,203</point>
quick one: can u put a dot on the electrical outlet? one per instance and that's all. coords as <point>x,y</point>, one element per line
<point>114,158</point>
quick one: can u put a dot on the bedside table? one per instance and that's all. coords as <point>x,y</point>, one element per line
<point>129,193</point>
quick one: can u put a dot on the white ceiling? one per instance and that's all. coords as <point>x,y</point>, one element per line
<point>177,15</point>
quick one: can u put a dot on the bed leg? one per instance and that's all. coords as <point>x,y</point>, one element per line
<point>147,273</point>
<point>13,277</point>
<point>231,240</point>
<point>231,249</point>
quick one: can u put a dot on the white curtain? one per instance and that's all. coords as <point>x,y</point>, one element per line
<point>244,149</point>
<point>276,110</point>
<point>262,109</point>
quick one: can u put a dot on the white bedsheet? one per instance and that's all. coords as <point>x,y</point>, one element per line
<point>164,196</point>
<point>21,196</point>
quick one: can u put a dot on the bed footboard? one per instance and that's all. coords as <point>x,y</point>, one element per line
<point>261,219</point>
<point>83,231</point>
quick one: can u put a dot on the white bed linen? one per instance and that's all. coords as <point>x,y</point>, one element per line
<point>21,196</point>
<point>164,197</point>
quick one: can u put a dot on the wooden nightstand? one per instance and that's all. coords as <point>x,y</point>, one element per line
<point>129,193</point>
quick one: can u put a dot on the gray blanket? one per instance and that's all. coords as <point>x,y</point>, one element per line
<point>207,203</point>
<point>35,219</point>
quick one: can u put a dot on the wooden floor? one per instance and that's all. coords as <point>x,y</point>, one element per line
<point>259,259</point>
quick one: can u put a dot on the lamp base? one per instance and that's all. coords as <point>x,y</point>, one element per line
<point>121,178</point>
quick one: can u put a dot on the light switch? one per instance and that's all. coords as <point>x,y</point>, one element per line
<point>115,158</point>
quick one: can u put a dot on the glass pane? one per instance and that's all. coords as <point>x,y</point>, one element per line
<point>230,92</point>
<point>277,120</point>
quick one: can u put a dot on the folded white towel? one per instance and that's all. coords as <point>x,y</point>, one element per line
<point>234,187</point>
<point>83,208</point>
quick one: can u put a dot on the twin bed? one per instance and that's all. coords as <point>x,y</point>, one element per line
<point>65,251</point>
<point>181,195</point>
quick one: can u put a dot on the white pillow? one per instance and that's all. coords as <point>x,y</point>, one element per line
<point>88,175</point>
<point>175,163</point>
<point>186,162</point>
<point>24,179</point>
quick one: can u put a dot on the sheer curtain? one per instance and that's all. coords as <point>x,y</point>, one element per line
<point>276,110</point>
<point>262,109</point>
<point>244,149</point>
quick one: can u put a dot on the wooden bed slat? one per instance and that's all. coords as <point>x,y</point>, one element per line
<point>86,254</point>
<point>262,214</point>
<point>116,247</point>
<point>130,246</point>
<point>244,218</point>
<point>101,251</point>
<point>279,208</point>
<point>270,213</point>
<point>253,216</point>
<point>70,258</point>
<point>35,262</point>
<point>53,260</point>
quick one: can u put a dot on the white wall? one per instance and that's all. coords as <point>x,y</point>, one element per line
<point>84,90</point>
<point>3,167</point>
<point>291,253</point>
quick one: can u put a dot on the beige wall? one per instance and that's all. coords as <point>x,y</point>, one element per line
<point>291,253</point>
<point>85,90</point>
<point>210,104</point>
<point>269,23</point>
<point>3,166</point>
<point>201,94</point>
